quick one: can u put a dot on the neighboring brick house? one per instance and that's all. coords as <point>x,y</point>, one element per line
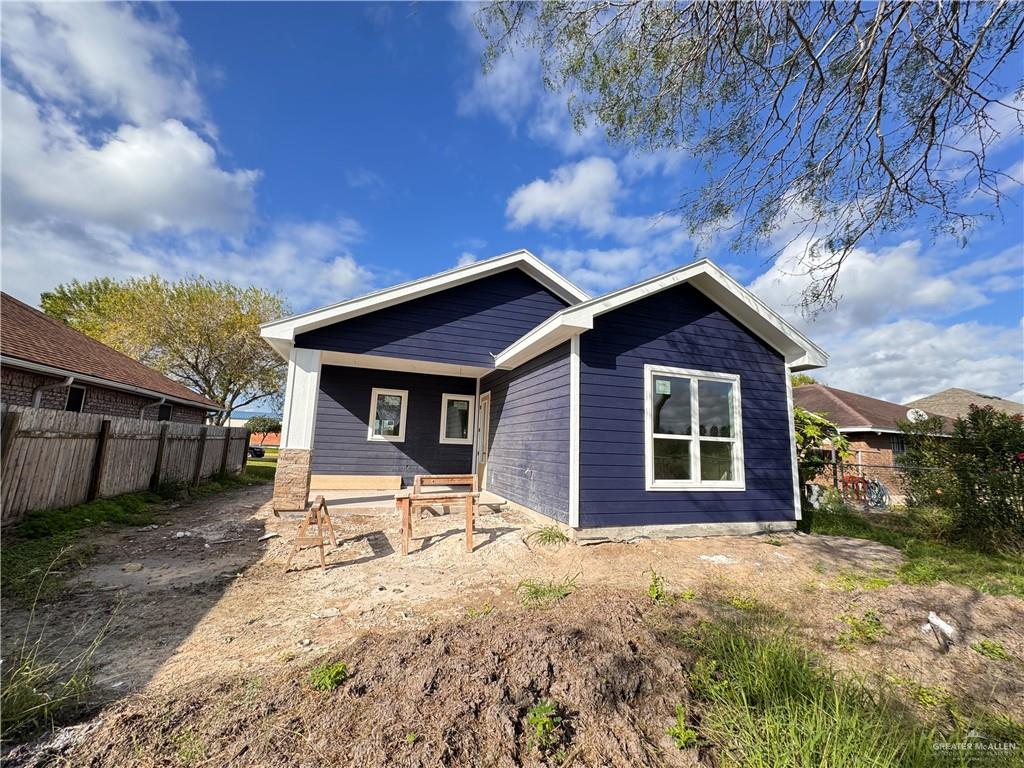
<point>868,423</point>
<point>46,364</point>
<point>956,402</point>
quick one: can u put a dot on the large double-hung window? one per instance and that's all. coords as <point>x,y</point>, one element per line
<point>693,430</point>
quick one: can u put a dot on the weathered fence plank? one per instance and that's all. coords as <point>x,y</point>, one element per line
<point>54,459</point>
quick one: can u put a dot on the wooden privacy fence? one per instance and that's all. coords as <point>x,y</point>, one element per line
<point>51,459</point>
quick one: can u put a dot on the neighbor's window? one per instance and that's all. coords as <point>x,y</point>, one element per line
<point>76,399</point>
<point>693,424</point>
<point>457,419</point>
<point>898,445</point>
<point>387,414</point>
<point>164,412</point>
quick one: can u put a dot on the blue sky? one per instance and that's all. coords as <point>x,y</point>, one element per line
<point>323,150</point>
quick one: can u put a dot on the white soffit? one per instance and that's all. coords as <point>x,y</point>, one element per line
<point>280,334</point>
<point>799,351</point>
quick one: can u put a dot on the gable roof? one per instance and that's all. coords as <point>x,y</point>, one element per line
<point>280,334</point>
<point>955,402</point>
<point>35,341</point>
<point>850,411</point>
<point>799,351</point>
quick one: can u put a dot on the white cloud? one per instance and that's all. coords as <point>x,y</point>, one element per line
<point>512,91</point>
<point>365,180</point>
<point>466,258</point>
<point>149,194</point>
<point>907,359</point>
<point>883,337</point>
<point>103,59</point>
<point>584,195</point>
<point>601,270</point>
<point>137,179</point>
<point>874,286</point>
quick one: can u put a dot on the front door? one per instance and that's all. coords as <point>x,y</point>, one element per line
<point>483,438</point>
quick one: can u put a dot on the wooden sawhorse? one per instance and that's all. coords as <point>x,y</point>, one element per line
<point>317,517</point>
<point>408,501</point>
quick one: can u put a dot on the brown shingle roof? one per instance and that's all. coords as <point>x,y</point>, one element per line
<point>28,334</point>
<point>850,411</point>
<point>956,402</point>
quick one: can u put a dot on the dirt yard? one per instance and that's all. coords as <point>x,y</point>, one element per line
<point>199,605</point>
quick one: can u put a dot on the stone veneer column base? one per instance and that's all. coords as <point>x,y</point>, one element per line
<point>291,482</point>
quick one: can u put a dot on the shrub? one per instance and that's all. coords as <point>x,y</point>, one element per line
<point>327,677</point>
<point>976,476</point>
<point>987,459</point>
<point>656,589</point>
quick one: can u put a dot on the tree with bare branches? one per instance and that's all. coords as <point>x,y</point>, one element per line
<point>830,121</point>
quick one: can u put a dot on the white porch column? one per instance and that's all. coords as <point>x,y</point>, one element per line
<point>298,424</point>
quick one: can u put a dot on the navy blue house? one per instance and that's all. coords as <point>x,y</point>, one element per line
<point>664,407</point>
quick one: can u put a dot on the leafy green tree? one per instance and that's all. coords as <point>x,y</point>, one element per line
<point>203,333</point>
<point>263,425</point>
<point>816,438</point>
<point>801,379</point>
<point>835,119</point>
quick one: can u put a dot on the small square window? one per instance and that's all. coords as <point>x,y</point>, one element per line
<point>76,399</point>
<point>898,444</point>
<point>387,415</point>
<point>457,419</point>
<point>164,412</point>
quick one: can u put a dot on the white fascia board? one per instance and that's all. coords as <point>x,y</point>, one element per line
<point>799,351</point>
<point>555,330</point>
<point>287,328</point>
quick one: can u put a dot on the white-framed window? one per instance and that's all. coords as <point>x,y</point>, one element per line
<point>75,400</point>
<point>457,419</point>
<point>387,414</point>
<point>693,430</point>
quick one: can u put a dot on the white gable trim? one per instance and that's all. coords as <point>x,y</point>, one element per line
<point>280,334</point>
<point>799,351</point>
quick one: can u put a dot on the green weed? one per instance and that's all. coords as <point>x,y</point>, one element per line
<point>545,726</point>
<point>682,735</point>
<point>411,738</point>
<point>189,748</point>
<point>864,630</point>
<point>327,677</point>
<point>765,702</point>
<point>743,603</point>
<point>991,649</point>
<point>535,593</point>
<point>548,536</point>
<point>475,613</point>
<point>848,582</point>
<point>688,594</point>
<point>656,589</point>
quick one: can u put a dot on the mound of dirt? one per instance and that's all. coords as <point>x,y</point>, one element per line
<point>453,694</point>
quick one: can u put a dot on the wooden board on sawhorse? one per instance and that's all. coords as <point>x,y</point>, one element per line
<point>317,517</point>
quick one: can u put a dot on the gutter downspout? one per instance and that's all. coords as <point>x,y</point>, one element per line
<point>142,410</point>
<point>37,393</point>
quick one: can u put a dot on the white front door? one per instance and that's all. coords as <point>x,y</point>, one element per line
<point>483,438</point>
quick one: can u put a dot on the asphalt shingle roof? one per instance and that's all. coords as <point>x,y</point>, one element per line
<point>30,335</point>
<point>848,410</point>
<point>955,402</point>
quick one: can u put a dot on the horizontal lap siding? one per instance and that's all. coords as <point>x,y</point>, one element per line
<point>529,448</point>
<point>679,327</point>
<point>463,325</point>
<point>340,446</point>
